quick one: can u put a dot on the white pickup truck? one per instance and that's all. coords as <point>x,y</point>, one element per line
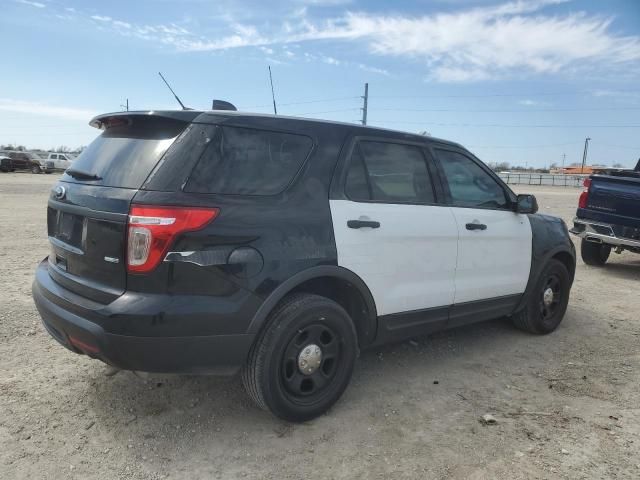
<point>55,162</point>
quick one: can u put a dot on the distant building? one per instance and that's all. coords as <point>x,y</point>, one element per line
<point>588,170</point>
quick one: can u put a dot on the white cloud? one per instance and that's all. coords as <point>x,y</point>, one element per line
<point>369,68</point>
<point>33,4</point>
<point>533,103</point>
<point>121,24</point>
<point>36,108</point>
<point>464,45</point>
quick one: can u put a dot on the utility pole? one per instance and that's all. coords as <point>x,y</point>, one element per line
<point>273,95</point>
<point>564,155</point>
<point>584,155</point>
<point>126,106</point>
<point>366,102</point>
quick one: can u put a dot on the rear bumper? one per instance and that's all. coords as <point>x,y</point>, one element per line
<point>207,354</point>
<point>601,233</point>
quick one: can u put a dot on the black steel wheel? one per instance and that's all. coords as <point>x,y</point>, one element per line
<point>550,297</point>
<point>310,362</point>
<point>547,302</point>
<point>302,361</point>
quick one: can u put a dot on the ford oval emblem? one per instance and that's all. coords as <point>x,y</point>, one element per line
<point>59,192</point>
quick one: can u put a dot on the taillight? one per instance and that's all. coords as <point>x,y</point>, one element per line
<point>584,196</point>
<point>152,230</point>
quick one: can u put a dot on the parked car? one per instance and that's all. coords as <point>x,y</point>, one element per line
<point>19,160</point>
<point>55,162</point>
<point>218,242</point>
<point>608,215</point>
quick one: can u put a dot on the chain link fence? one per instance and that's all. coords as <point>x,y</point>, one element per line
<point>543,179</point>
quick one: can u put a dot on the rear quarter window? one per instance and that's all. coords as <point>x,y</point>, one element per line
<point>245,161</point>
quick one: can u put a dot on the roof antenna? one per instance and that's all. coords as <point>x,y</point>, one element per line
<point>273,95</point>
<point>174,93</point>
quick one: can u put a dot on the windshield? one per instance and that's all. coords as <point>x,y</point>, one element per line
<point>124,156</point>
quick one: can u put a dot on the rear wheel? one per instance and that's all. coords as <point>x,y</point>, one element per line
<point>593,253</point>
<point>547,303</point>
<point>302,362</point>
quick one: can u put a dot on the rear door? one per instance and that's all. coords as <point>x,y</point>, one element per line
<point>88,208</point>
<point>494,247</point>
<point>390,229</point>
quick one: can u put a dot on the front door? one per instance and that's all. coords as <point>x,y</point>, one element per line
<point>494,245</point>
<point>391,231</point>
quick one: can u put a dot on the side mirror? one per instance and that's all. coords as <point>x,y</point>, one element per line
<point>526,204</point>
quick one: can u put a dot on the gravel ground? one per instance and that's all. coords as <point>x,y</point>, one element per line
<point>566,405</point>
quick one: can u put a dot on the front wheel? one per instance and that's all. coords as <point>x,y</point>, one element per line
<point>303,360</point>
<point>35,169</point>
<point>547,302</point>
<point>595,254</point>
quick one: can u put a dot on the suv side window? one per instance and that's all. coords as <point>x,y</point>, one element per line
<point>469,185</point>
<point>245,161</point>
<point>388,172</point>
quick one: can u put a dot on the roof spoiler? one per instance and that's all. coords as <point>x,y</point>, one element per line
<point>102,121</point>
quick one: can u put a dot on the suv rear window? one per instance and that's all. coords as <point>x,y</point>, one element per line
<point>244,161</point>
<point>123,156</point>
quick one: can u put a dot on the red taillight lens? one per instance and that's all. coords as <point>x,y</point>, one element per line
<point>152,231</point>
<point>584,196</point>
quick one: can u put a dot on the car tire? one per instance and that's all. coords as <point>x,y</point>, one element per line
<point>544,311</point>
<point>594,254</point>
<point>303,360</point>
<point>35,169</point>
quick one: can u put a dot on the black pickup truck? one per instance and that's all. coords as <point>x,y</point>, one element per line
<point>609,215</point>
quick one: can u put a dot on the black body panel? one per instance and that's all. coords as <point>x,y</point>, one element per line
<point>400,326</point>
<point>550,239</point>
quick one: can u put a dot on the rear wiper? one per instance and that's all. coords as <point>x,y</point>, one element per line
<point>80,175</point>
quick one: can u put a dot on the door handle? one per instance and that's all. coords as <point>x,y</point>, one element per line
<point>363,224</point>
<point>476,226</point>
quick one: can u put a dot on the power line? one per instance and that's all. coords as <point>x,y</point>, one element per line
<point>521,94</point>
<point>304,102</point>
<point>326,111</point>
<point>520,110</point>
<point>500,125</point>
<point>549,145</point>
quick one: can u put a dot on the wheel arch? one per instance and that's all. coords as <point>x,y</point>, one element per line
<point>337,283</point>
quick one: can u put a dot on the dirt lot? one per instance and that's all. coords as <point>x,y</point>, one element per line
<point>567,404</point>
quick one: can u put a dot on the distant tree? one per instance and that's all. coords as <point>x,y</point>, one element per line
<point>500,166</point>
<point>553,165</point>
<point>618,165</point>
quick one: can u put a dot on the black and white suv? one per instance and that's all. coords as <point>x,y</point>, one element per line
<point>218,242</point>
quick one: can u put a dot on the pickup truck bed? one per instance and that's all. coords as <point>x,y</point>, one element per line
<point>609,215</point>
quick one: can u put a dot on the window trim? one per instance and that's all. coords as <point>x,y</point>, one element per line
<point>429,164</point>
<point>294,178</point>
<point>508,193</point>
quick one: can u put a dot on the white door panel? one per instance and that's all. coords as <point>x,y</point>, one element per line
<point>492,262</point>
<point>409,262</point>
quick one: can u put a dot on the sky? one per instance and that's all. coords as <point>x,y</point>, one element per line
<point>515,81</point>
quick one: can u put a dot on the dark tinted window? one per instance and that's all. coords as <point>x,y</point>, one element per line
<point>124,156</point>
<point>469,184</point>
<point>245,161</point>
<point>388,172</point>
